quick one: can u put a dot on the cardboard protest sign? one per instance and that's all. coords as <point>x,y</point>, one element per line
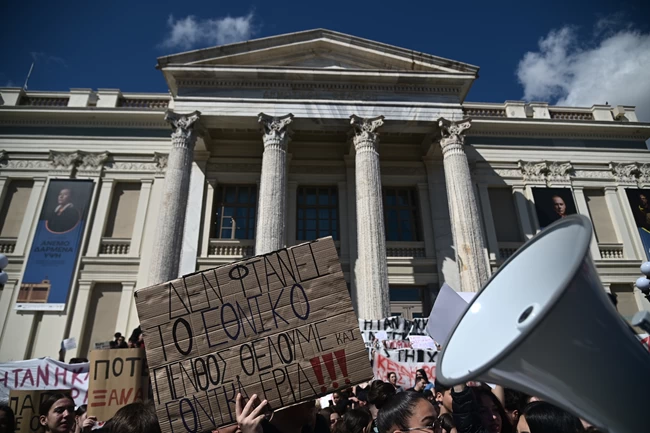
<point>117,377</point>
<point>280,325</point>
<point>25,405</point>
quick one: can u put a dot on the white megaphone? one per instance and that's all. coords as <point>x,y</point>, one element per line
<point>544,325</point>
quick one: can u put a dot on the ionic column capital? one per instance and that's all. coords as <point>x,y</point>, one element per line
<point>183,132</point>
<point>452,140</point>
<point>366,134</point>
<point>276,130</point>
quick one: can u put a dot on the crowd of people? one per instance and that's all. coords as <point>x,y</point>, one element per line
<point>378,407</point>
<point>375,407</point>
<point>135,340</point>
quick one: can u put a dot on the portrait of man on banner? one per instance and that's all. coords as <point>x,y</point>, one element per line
<point>52,260</point>
<point>552,204</point>
<point>640,204</point>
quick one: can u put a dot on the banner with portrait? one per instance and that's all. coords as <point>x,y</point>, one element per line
<point>552,204</point>
<point>52,260</point>
<point>640,205</point>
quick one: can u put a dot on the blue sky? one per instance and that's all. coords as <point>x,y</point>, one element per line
<point>562,51</point>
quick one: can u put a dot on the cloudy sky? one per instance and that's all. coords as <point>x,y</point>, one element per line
<point>565,52</point>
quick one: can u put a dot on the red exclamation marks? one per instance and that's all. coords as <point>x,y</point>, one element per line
<point>315,364</point>
<point>329,365</point>
<point>343,364</point>
<point>328,358</point>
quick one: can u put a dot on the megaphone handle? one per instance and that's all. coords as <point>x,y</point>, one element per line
<point>642,320</point>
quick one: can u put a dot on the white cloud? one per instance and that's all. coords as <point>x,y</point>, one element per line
<point>190,32</point>
<point>613,68</point>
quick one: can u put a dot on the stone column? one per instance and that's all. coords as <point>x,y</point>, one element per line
<point>171,221</point>
<point>272,195</point>
<point>372,284</point>
<point>465,218</point>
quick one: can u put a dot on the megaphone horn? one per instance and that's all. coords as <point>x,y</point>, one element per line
<point>544,325</point>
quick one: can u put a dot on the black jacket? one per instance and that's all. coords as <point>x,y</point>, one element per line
<point>466,412</point>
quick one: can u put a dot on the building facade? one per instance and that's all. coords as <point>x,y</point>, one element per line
<point>290,138</point>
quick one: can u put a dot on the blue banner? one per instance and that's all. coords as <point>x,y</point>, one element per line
<point>52,260</point>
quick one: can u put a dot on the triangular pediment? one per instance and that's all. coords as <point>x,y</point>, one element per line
<point>318,49</point>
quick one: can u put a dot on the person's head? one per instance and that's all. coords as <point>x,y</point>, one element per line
<point>493,416</point>
<point>136,417</point>
<point>7,419</point>
<point>643,199</point>
<point>336,397</point>
<point>392,378</point>
<point>379,392</point>
<point>56,413</point>
<point>362,397</point>
<point>354,421</point>
<point>421,373</point>
<point>558,205</point>
<point>443,397</point>
<point>543,417</point>
<point>515,403</point>
<point>331,416</point>
<point>80,416</point>
<point>117,336</point>
<point>406,410</point>
<point>445,423</point>
<point>429,395</point>
<point>65,196</point>
<point>420,384</point>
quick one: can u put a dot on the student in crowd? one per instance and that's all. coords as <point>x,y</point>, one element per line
<point>420,385</point>
<point>7,419</point>
<point>392,379</point>
<point>443,398</point>
<point>136,417</point>
<point>83,422</point>
<point>406,412</point>
<point>428,394</point>
<point>445,424</point>
<point>543,417</point>
<point>379,393</point>
<point>420,373</point>
<point>515,402</point>
<point>331,416</point>
<point>56,413</point>
<point>355,421</point>
<point>478,410</point>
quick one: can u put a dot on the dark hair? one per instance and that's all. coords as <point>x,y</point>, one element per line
<point>362,394</point>
<point>81,410</point>
<point>543,417</point>
<point>117,335</point>
<point>506,425</point>
<point>78,360</point>
<point>379,392</point>
<point>389,373</point>
<point>515,400</point>
<point>9,416</point>
<point>423,373</point>
<point>354,421</point>
<point>136,417</point>
<point>445,422</point>
<point>427,393</point>
<point>48,402</point>
<point>397,410</point>
<point>327,411</point>
<point>440,388</point>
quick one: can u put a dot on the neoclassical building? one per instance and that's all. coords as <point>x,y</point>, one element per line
<point>267,143</point>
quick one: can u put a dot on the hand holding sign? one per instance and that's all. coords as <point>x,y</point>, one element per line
<point>249,419</point>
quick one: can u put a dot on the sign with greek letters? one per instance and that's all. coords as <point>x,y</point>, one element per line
<point>280,325</point>
<point>117,377</point>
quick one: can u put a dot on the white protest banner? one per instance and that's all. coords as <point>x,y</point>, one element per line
<point>422,342</point>
<point>404,363</point>
<point>280,325</point>
<point>446,311</point>
<point>45,374</point>
<point>391,329</point>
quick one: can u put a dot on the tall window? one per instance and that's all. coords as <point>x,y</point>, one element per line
<point>406,301</point>
<point>235,215</point>
<point>317,213</point>
<point>401,214</point>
